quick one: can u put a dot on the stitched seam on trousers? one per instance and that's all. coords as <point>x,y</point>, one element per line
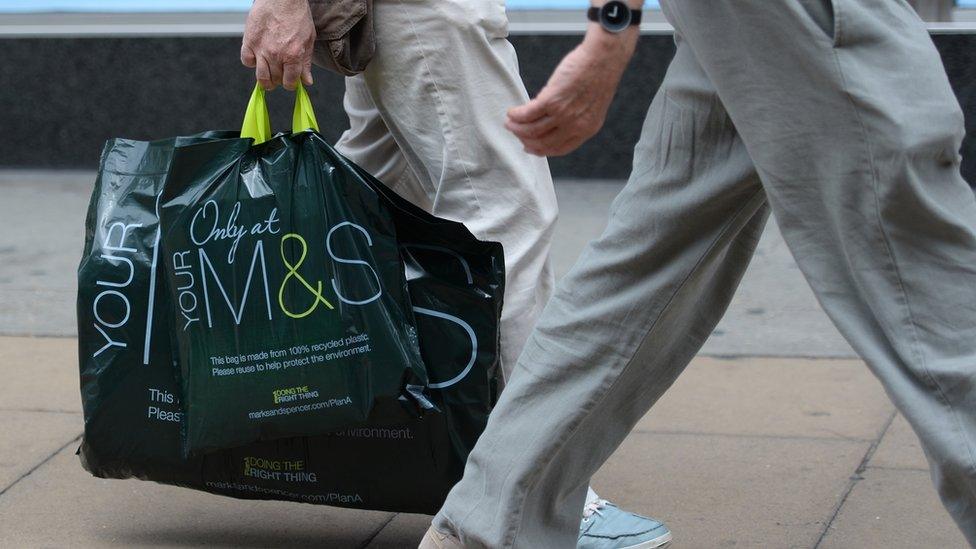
<point>897,272</point>
<point>608,388</point>
<point>444,121</point>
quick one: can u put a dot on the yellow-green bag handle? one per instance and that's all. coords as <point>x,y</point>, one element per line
<point>257,123</point>
<point>303,117</point>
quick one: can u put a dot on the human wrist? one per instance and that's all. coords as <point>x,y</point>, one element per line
<point>613,47</point>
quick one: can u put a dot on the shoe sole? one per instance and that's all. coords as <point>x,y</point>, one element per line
<point>655,543</point>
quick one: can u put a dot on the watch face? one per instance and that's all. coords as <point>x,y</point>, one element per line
<point>615,16</point>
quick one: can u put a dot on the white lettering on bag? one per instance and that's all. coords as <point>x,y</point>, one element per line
<point>186,300</point>
<point>474,345</point>
<point>335,285</point>
<point>231,229</point>
<point>112,244</point>
<point>236,312</point>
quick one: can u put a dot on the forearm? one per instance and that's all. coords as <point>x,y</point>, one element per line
<point>616,48</point>
<point>572,106</point>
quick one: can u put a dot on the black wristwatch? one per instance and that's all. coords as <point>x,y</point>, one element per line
<point>614,16</point>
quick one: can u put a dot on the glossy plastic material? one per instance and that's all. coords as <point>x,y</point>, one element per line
<point>130,310</point>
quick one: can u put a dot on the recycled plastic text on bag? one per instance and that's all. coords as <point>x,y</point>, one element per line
<point>292,309</point>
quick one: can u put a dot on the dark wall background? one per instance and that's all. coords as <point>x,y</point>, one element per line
<point>61,98</point>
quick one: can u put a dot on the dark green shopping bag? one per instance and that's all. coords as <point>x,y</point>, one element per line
<point>130,387</point>
<point>291,305</point>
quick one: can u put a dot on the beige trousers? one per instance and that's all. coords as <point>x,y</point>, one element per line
<point>427,119</point>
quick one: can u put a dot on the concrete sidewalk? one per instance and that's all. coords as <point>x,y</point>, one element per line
<point>774,437</point>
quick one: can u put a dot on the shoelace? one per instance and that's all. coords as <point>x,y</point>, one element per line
<point>593,508</point>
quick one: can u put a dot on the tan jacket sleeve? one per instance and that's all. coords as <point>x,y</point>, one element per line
<point>344,40</point>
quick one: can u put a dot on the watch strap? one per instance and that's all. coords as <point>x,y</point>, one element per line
<point>593,14</point>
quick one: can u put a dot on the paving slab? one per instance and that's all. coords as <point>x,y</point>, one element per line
<point>42,218</point>
<point>39,373</point>
<point>731,491</point>
<point>38,312</point>
<point>893,509</point>
<point>60,505</point>
<point>773,397</point>
<point>899,449</point>
<point>28,438</point>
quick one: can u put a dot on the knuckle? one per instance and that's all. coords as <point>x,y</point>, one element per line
<point>292,53</point>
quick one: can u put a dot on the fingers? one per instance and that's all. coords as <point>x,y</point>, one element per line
<point>307,59</point>
<point>276,70</point>
<point>539,131</point>
<point>247,56</point>
<point>557,141</point>
<point>556,145</point>
<point>270,74</point>
<point>278,41</point>
<point>532,130</point>
<point>296,63</point>
<point>307,73</point>
<point>529,112</point>
<point>566,147</point>
<point>292,72</point>
<point>263,74</point>
<point>546,145</point>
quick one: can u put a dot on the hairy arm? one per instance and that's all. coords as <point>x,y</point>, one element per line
<point>573,105</point>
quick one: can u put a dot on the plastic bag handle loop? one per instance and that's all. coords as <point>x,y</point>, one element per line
<point>257,123</point>
<point>303,117</point>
